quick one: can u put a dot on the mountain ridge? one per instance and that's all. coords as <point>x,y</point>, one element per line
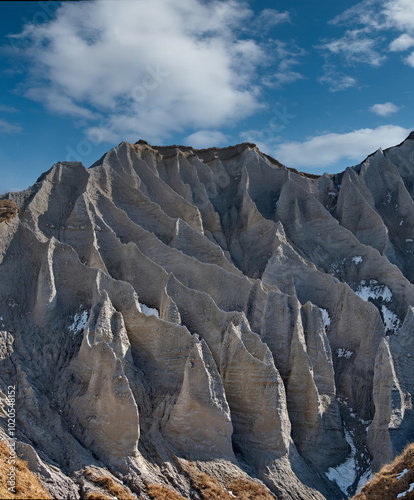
<point>167,307</point>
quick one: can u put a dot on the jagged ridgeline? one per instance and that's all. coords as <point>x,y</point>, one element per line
<point>184,321</point>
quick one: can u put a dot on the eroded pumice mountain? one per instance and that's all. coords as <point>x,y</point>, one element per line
<point>172,312</point>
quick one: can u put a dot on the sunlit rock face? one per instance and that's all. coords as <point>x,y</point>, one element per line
<point>171,305</point>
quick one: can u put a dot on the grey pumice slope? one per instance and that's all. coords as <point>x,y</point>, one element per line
<point>171,308</point>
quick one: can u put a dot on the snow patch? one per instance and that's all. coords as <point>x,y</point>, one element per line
<point>373,290</point>
<point>366,476</point>
<point>357,259</point>
<point>325,317</point>
<point>410,489</point>
<point>344,474</point>
<point>79,322</point>
<point>344,353</point>
<point>409,240</point>
<point>402,474</point>
<point>149,311</point>
<point>390,319</point>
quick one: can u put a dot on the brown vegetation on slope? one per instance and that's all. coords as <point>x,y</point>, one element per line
<point>392,480</point>
<point>108,484</point>
<point>160,492</point>
<point>8,210</point>
<point>27,484</point>
<point>209,488</point>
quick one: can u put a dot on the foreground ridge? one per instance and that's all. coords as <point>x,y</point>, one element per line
<point>209,322</point>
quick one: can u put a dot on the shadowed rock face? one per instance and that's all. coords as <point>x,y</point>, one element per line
<point>170,305</point>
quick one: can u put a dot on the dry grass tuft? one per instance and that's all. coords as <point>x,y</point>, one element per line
<point>247,489</point>
<point>241,488</point>
<point>111,486</point>
<point>8,210</point>
<point>96,495</point>
<point>388,483</point>
<point>27,484</point>
<point>208,487</point>
<point>160,492</point>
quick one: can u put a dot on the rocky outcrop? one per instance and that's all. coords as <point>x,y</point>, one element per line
<point>170,309</point>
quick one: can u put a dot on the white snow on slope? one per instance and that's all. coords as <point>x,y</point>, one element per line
<point>372,290</point>
<point>402,474</point>
<point>357,259</point>
<point>325,317</point>
<point>391,321</point>
<point>344,474</point>
<point>404,493</point>
<point>149,311</point>
<point>344,353</point>
<point>79,322</point>
<point>367,476</point>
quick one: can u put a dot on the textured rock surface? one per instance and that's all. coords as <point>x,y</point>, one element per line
<point>170,305</point>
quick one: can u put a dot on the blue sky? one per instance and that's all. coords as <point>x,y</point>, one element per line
<point>318,85</point>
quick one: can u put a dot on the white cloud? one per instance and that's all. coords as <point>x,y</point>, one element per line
<point>288,57</point>
<point>268,18</point>
<point>9,128</point>
<point>206,139</point>
<point>410,60</point>
<point>371,23</point>
<point>403,42</point>
<point>356,47</point>
<point>325,150</point>
<point>388,108</point>
<point>335,80</point>
<point>400,14</point>
<point>149,69</point>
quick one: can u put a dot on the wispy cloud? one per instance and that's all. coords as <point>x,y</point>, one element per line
<point>268,18</point>
<point>151,69</point>
<point>356,47</point>
<point>385,109</point>
<point>287,57</point>
<point>7,109</point>
<point>9,128</point>
<point>336,80</point>
<point>327,149</point>
<point>370,33</point>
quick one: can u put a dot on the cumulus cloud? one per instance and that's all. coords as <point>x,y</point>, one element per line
<point>206,139</point>
<point>388,108</point>
<point>325,150</point>
<point>403,42</point>
<point>400,14</point>
<point>9,128</point>
<point>410,60</point>
<point>148,69</point>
